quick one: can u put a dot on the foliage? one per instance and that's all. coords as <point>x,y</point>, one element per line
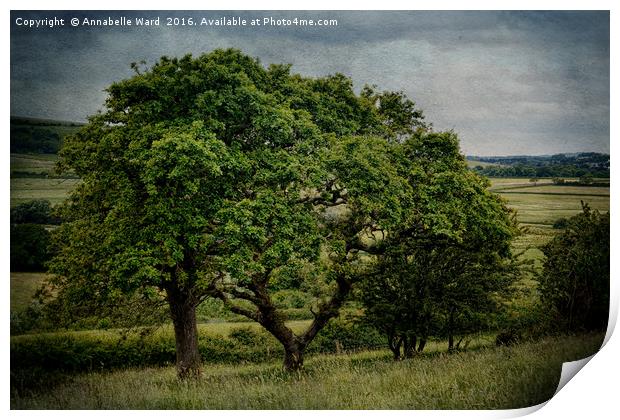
<point>558,166</point>
<point>204,176</point>
<point>446,263</point>
<point>29,247</point>
<point>35,211</point>
<point>34,140</point>
<point>561,223</point>
<point>105,350</point>
<point>575,278</point>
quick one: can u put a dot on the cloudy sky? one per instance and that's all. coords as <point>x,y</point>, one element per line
<point>506,82</point>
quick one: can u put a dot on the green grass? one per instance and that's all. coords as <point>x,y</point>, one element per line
<point>54,190</point>
<point>546,209</point>
<point>210,329</point>
<point>486,378</point>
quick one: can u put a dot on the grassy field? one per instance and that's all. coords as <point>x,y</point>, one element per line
<point>486,378</point>
<point>33,163</point>
<point>27,189</point>
<point>544,209</point>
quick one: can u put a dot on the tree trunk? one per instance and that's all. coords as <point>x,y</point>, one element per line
<point>394,343</point>
<point>293,358</point>
<point>421,345</point>
<point>409,348</point>
<point>183,313</point>
<point>450,333</point>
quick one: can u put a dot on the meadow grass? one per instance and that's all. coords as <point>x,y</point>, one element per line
<point>484,378</point>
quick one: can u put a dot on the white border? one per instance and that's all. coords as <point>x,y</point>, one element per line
<point>592,394</point>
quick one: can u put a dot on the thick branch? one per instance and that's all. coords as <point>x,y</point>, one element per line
<point>328,310</point>
<point>235,308</point>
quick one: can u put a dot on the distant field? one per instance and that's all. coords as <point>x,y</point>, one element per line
<point>546,202</point>
<point>34,163</point>
<point>54,190</point>
<point>561,189</point>
<point>546,209</point>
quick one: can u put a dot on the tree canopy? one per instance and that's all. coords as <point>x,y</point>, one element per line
<point>445,262</point>
<point>574,282</point>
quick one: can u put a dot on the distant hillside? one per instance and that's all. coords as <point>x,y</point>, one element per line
<point>36,135</point>
<point>549,166</point>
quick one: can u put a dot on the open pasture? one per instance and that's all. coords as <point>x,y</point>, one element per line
<point>545,209</point>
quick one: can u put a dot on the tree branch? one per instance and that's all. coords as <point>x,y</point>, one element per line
<point>328,310</point>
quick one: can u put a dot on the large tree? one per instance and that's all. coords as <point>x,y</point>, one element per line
<point>205,176</point>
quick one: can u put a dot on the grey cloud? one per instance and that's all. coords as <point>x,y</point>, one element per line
<point>507,82</point>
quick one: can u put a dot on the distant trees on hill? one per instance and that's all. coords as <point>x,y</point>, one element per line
<point>32,135</point>
<point>570,166</point>
<point>34,140</point>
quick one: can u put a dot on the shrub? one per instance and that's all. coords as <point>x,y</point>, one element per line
<point>508,337</point>
<point>29,247</point>
<point>561,223</point>
<point>35,211</point>
<point>346,334</point>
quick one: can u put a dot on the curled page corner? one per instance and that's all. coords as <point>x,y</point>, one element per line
<point>569,370</point>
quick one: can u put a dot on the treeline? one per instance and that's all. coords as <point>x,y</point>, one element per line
<point>38,136</point>
<point>561,165</point>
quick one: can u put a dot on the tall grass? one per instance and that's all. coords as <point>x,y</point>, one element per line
<point>486,378</point>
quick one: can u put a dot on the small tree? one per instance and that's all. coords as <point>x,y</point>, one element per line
<point>534,180</point>
<point>586,179</point>
<point>558,181</point>
<point>446,263</point>
<point>574,282</point>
